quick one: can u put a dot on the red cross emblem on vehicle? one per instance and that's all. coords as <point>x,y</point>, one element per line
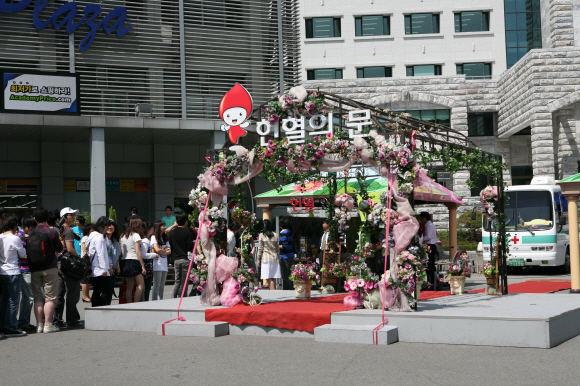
<point>515,239</point>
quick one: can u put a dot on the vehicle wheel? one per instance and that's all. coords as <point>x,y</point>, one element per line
<point>565,269</point>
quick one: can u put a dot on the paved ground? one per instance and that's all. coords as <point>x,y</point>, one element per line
<point>79,357</point>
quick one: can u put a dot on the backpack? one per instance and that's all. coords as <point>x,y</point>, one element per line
<point>39,251</point>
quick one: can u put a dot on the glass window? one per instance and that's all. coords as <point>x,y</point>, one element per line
<point>323,27</point>
<point>374,72</point>
<point>441,117</point>
<point>523,28</point>
<point>522,175</point>
<point>471,21</point>
<point>475,70</point>
<point>529,210</point>
<point>372,26</point>
<point>325,73</point>
<point>422,23</point>
<point>424,70</point>
<point>481,183</point>
<point>480,125</point>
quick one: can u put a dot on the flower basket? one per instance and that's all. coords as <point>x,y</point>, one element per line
<point>303,289</point>
<point>490,279</point>
<point>349,278</point>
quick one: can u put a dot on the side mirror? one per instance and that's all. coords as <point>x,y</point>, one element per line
<point>562,220</point>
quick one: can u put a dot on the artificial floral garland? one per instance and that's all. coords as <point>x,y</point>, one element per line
<point>489,202</point>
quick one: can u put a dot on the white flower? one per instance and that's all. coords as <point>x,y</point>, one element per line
<point>298,93</point>
<point>360,143</point>
<point>373,133</point>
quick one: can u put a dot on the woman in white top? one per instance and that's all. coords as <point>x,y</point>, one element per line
<point>87,230</point>
<point>161,247</point>
<point>148,257</point>
<point>97,250</point>
<point>11,251</point>
<point>131,264</point>
<point>269,255</point>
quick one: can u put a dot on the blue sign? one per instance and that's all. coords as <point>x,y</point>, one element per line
<point>67,12</point>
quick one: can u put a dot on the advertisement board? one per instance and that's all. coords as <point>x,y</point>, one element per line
<point>48,93</point>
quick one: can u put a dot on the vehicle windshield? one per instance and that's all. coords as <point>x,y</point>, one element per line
<point>526,210</point>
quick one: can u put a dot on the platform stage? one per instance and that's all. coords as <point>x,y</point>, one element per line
<point>517,320</point>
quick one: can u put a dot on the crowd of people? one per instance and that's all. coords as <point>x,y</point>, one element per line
<point>50,258</point>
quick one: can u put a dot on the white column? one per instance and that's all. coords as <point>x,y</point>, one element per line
<point>98,181</point>
<point>218,139</point>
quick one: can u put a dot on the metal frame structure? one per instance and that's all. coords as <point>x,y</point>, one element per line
<point>428,137</point>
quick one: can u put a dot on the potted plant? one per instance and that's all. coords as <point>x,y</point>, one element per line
<point>490,273</point>
<point>458,271</point>
<point>303,275</point>
<point>363,290</point>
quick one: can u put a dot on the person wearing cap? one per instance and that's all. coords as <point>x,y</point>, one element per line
<point>68,288</point>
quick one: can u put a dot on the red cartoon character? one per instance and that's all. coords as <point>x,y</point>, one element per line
<point>235,107</point>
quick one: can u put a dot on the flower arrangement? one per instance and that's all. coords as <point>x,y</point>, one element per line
<point>244,276</point>
<point>410,274</point>
<point>334,270</point>
<point>344,203</point>
<point>361,285</point>
<point>297,101</point>
<point>489,199</point>
<point>198,274</point>
<point>242,216</point>
<point>461,267</point>
<point>304,272</point>
<point>488,270</point>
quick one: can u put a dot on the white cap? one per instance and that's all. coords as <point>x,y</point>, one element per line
<point>68,210</point>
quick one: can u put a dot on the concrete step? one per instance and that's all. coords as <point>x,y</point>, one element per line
<point>193,328</point>
<point>362,334</point>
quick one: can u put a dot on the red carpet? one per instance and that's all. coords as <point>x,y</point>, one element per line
<point>536,287</point>
<point>302,315</point>
<point>426,295</point>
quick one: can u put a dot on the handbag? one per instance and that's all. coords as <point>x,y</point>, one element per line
<point>74,266</point>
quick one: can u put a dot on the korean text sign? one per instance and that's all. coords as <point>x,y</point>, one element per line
<point>40,92</point>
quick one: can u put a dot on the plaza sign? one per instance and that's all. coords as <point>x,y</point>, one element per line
<point>65,14</point>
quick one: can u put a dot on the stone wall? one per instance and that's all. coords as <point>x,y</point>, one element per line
<point>561,23</point>
<point>567,142</point>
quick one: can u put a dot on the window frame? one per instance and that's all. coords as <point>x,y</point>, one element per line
<point>437,68</point>
<point>359,31</point>
<point>485,15</point>
<point>336,27</point>
<point>516,11</point>
<point>460,70</point>
<point>489,125</point>
<point>312,72</point>
<point>435,19</point>
<point>388,72</point>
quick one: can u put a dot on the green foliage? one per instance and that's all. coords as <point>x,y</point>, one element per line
<point>468,229</point>
<point>86,215</point>
<point>113,214</point>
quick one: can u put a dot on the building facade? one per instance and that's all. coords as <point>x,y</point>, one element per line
<point>506,73</point>
<point>176,58</point>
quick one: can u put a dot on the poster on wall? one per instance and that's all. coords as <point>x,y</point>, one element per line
<point>32,92</point>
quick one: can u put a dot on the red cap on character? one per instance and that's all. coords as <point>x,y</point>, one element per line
<point>238,96</point>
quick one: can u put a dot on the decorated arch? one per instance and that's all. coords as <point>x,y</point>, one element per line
<point>306,136</point>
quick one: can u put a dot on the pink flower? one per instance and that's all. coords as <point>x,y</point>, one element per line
<point>353,285</point>
<point>346,287</point>
<point>404,162</point>
<point>255,289</point>
<point>250,270</point>
<point>329,135</point>
<point>199,288</point>
<point>360,283</point>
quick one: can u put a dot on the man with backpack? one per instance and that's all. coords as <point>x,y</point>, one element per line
<point>41,248</point>
<point>69,282</point>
